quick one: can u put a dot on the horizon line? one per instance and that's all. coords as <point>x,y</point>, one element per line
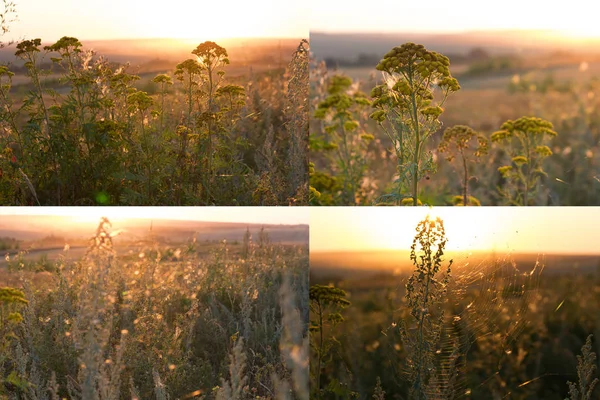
<point>168,218</point>
<point>454,251</point>
<point>167,38</point>
<point>558,32</point>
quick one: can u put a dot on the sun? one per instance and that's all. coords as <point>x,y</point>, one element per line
<point>156,19</point>
<point>222,20</point>
<point>466,229</point>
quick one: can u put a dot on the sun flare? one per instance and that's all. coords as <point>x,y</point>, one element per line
<point>385,233</point>
<point>175,19</point>
<point>502,229</point>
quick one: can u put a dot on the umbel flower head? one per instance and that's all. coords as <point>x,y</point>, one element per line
<point>28,46</point>
<point>463,137</point>
<point>5,71</point>
<point>328,295</point>
<point>163,78</point>
<point>412,72</point>
<point>524,139</point>
<point>524,126</point>
<point>428,64</point>
<point>65,44</point>
<point>208,51</point>
<point>9,295</point>
<point>139,101</point>
<point>189,66</point>
<point>341,97</point>
<point>529,133</point>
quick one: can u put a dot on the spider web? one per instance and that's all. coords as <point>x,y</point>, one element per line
<point>487,302</point>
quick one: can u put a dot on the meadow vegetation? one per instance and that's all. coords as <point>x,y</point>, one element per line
<point>81,130</point>
<point>419,138</point>
<point>160,322</point>
<point>455,329</point>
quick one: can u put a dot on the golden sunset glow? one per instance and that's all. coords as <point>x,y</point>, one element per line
<point>259,215</point>
<point>502,229</point>
<point>438,16</point>
<point>132,19</point>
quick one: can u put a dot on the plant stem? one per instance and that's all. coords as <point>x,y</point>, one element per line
<point>527,177</point>
<point>415,118</point>
<point>420,349</point>
<point>466,185</point>
<point>320,354</point>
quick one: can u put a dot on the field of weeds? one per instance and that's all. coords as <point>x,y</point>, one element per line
<point>78,129</point>
<point>496,328</point>
<point>515,131</point>
<point>161,322</point>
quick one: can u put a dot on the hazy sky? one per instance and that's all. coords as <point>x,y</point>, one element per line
<point>130,19</point>
<point>517,229</point>
<point>575,17</point>
<point>259,215</point>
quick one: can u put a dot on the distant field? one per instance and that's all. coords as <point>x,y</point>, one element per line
<point>563,73</point>
<point>334,266</point>
<point>40,227</point>
<point>522,328</point>
<point>149,58</point>
<point>145,51</point>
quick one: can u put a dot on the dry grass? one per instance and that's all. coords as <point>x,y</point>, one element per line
<point>169,323</point>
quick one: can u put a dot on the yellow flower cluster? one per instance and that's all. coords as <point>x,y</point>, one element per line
<point>519,160</point>
<point>409,53</point>
<point>528,125</point>
<point>543,151</point>
<point>412,57</point>
<point>28,46</point>
<point>460,135</point>
<point>505,170</point>
<point>65,43</point>
<point>434,112</point>
<point>4,71</point>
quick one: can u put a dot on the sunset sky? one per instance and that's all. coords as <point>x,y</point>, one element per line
<point>524,229</point>
<point>132,19</point>
<point>434,16</point>
<point>259,215</point>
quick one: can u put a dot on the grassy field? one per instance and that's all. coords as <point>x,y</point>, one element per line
<point>559,87</point>
<point>223,127</point>
<point>516,328</point>
<point>156,320</point>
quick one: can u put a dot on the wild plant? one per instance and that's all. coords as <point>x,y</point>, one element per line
<point>296,113</point>
<point>379,393</point>
<point>326,304</point>
<point>125,145</point>
<point>294,342</point>
<point>164,81</point>
<point>163,322</point>
<point>408,112</point>
<point>462,141</point>
<point>524,141</point>
<point>425,295</point>
<point>345,142</point>
<point>7,16</point>
<point>235,388</point>
<point>586,365</point>
<point>270,178</point>
<point>11,302</point>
